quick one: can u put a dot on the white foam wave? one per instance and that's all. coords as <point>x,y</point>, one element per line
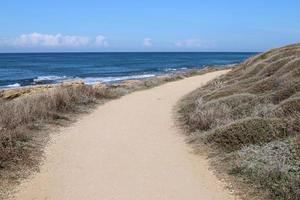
<point>90,80</point>
<point>175,69</point>
<point>169,69</point>
<point>50,78</point>
<point>95,80</point>
<point>15,85</point>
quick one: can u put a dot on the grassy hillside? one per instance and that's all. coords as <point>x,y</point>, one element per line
<point>250,120</point>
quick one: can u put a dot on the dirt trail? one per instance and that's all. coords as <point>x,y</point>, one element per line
<point>127,149</point>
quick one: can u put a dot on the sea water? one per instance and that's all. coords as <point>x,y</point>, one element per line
<point>45,68</point>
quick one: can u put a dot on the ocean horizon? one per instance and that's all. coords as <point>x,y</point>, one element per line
<point>23,69</point>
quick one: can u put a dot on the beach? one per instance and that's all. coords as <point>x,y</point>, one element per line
<point>128,148</point>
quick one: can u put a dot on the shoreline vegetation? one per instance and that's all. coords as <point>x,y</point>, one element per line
<point>28,115</point>
<point>248,122</point>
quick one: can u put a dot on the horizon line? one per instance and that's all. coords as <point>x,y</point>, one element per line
<point>53,52</point>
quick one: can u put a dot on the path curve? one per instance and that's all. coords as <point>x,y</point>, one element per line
<point>127,149</point>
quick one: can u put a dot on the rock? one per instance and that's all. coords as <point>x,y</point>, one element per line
<point>10,94</point>
<point>14,93</point>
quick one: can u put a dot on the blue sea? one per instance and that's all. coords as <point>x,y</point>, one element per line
<point>45,68</point>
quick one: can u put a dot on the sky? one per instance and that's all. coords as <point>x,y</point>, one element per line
<point>147,25</point>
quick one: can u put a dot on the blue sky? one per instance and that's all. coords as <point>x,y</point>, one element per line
<point>140,25</point>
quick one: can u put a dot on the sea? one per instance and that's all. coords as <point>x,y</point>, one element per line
<point>23,69</point>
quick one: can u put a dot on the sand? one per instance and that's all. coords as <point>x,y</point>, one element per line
<point>127,149</point>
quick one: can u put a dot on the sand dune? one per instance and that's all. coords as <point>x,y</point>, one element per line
<point>127,149</point>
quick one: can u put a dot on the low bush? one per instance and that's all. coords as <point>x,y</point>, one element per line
<point>249,131</point>
<point>289,107</point>
<point>274,166</point>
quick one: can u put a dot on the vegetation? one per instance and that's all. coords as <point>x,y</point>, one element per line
<point>250,121</point>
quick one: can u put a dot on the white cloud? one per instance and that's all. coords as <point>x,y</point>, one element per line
<point>101,41</point>
<point>147,42</point>
<point>56,40</point>
<point>193,43</point>
<point>46,40</point>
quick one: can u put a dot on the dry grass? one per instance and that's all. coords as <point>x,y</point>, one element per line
<point>238,134</point>
<point>249,117</point>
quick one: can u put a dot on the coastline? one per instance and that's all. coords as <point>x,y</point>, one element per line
<point>46,68</point>
<point>15,92</point>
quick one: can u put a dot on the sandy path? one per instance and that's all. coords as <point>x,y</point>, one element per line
<point>127,149</point>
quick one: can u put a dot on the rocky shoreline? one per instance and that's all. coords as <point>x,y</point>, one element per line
<point>13,93</point>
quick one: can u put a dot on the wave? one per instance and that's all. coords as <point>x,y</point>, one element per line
<point>175,69</point>
<point>15,85</point>
<point>47,79</point>
<point>88,80</point>
<point>95,80</point>
<point>53,79</point>
<point>170,69</point>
